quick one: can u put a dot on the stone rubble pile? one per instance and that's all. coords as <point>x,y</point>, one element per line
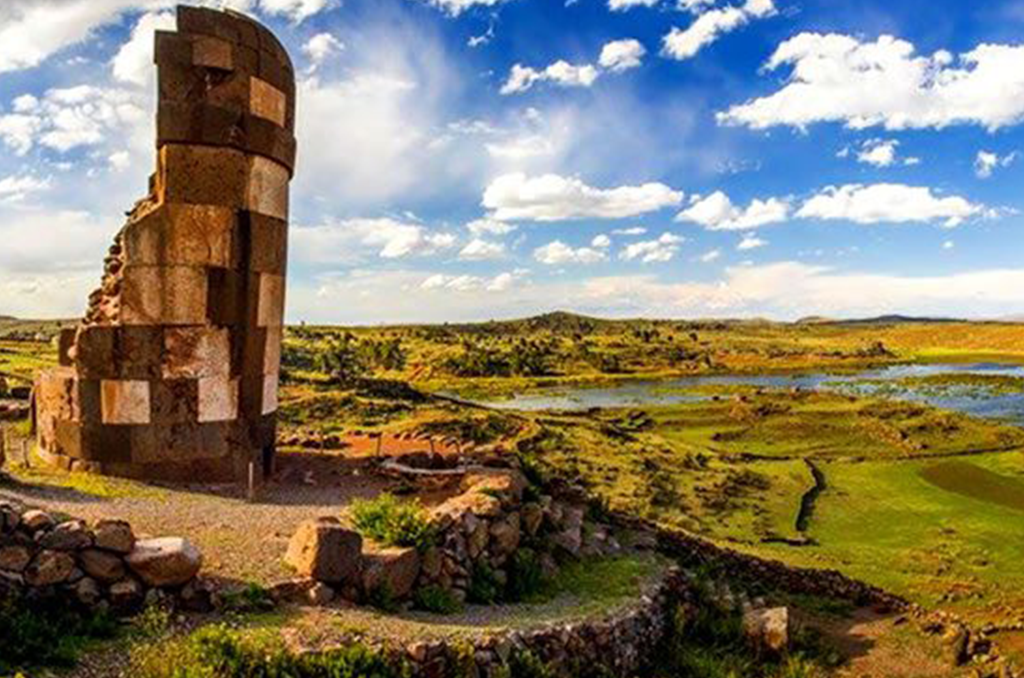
<point>102,566</point>
<point>484,526</point>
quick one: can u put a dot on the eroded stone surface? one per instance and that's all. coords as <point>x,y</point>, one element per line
<point>173,370</point>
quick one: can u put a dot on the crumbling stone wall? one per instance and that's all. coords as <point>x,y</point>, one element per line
<point>173,372</point>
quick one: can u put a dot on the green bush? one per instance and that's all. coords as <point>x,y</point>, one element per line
<point>393,521</point>
<point>221,652</point>
<point>47,634</point>
<point>435,599</point>
<point>484,588</point>
<point>525,576</point>
<point>252,598</point>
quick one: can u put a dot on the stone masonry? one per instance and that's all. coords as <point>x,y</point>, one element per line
<point>173,372</point>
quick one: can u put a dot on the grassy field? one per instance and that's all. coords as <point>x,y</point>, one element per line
<point>922,501</point>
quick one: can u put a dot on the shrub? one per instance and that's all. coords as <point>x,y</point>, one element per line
<point>524,575</point>
<point>484,588</point>
<point>47,634</point>
<point>252,598</point>
<point>435,599</point>
<point>393,521</point>
<point>220,652</point>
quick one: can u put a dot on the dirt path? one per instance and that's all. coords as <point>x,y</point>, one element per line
<point>240,540</point>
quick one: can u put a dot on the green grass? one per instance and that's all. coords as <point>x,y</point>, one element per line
<point>392,521</point>
<point>890,525</point>
<point>47,634</point>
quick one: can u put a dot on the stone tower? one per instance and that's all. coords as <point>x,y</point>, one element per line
<point>173,372</point>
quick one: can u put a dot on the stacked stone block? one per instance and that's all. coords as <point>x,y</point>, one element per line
<point>173,372</point>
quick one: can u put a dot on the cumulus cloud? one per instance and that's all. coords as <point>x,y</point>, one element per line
<point>66,118</point>
<point>880,153</point>
<point>348,241</point>
<point>296,10</point>
<point>621,55</point>
<point>631,231</point>
<point>716,212</point>
<point>661,250</point>
<point>133,62</point>
<point>839,78</point>
<point>17,188</point>
<point>623,5</point>
<point>456,7</point>
<point>480,227</point>
<point>601,241</point>
<point>986,162</point>
<point>710,256</point>
<point>321,47</point>
<point>561,73</point>
<point>684,44</point>
<point>557,252</point>
<point>471,283</point>
<point>479,249</point>
<point>750,241</point>
<point>889,203</point>
<point>551,197</point>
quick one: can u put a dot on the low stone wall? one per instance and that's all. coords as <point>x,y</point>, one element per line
<point>97,567</point>
<point>619,645</point>
<point>483,527</point>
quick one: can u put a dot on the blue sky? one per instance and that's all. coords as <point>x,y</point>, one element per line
<point>476,159</point>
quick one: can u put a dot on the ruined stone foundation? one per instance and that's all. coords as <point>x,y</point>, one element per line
<point>173,372</point>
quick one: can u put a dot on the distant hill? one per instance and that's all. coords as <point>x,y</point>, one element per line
<point>895,319</point>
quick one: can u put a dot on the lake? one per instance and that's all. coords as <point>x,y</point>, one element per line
<point>973,399</point>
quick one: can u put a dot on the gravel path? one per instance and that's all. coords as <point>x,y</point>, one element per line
<point>240,540</point>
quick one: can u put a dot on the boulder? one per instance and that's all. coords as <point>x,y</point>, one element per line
<point>10,518</point>
<point>88,592</point>
<point>393,568</point>
<point>477,503</point>
<point>569,540</point>
<point>102,565</point>
<point>533,516</point>
<point>114,535</point>
<point>126,594</point>
<point>36,520</point>
<point>70,536</point>
<point>320,594</point>
<point>14,558</point>
<point>168,561</point>
<point>508,484</point>
<point>325,551</point>
<point>505,535</point>
<point>49,567</point>
<point>767,629</point>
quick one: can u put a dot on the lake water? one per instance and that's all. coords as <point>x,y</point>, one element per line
<point>969,399</point>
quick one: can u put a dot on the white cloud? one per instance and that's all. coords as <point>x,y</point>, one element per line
<point>948,245</point>
<point>478,249</point>
<point>320,47</point>
<point>878,152</point>
<point>621,55</point>
<point>711,25</point>
<point>17,188</point>
<point>694,6</point>
<point>133,62</point>
<point>710,256</point>
<point>522,147</point>
<point>716,212</point>
<point>601,241</point>
<point>485,226</point>
<point>888,203</point>
<point>633,230</point>
<point>552,197</point>
<point>345,242</point>
<point>296,10</point>
<point>67,118</point>
<point>650,251</point>
<point>986,162</point>
<point>750,241</point>
<point>562,73</point>
<point>557,252</point>
<point>839,78</point>
<point>502,282</point>
<point>623,5</point>
<point>119,161</point>
<point>456,7</point>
